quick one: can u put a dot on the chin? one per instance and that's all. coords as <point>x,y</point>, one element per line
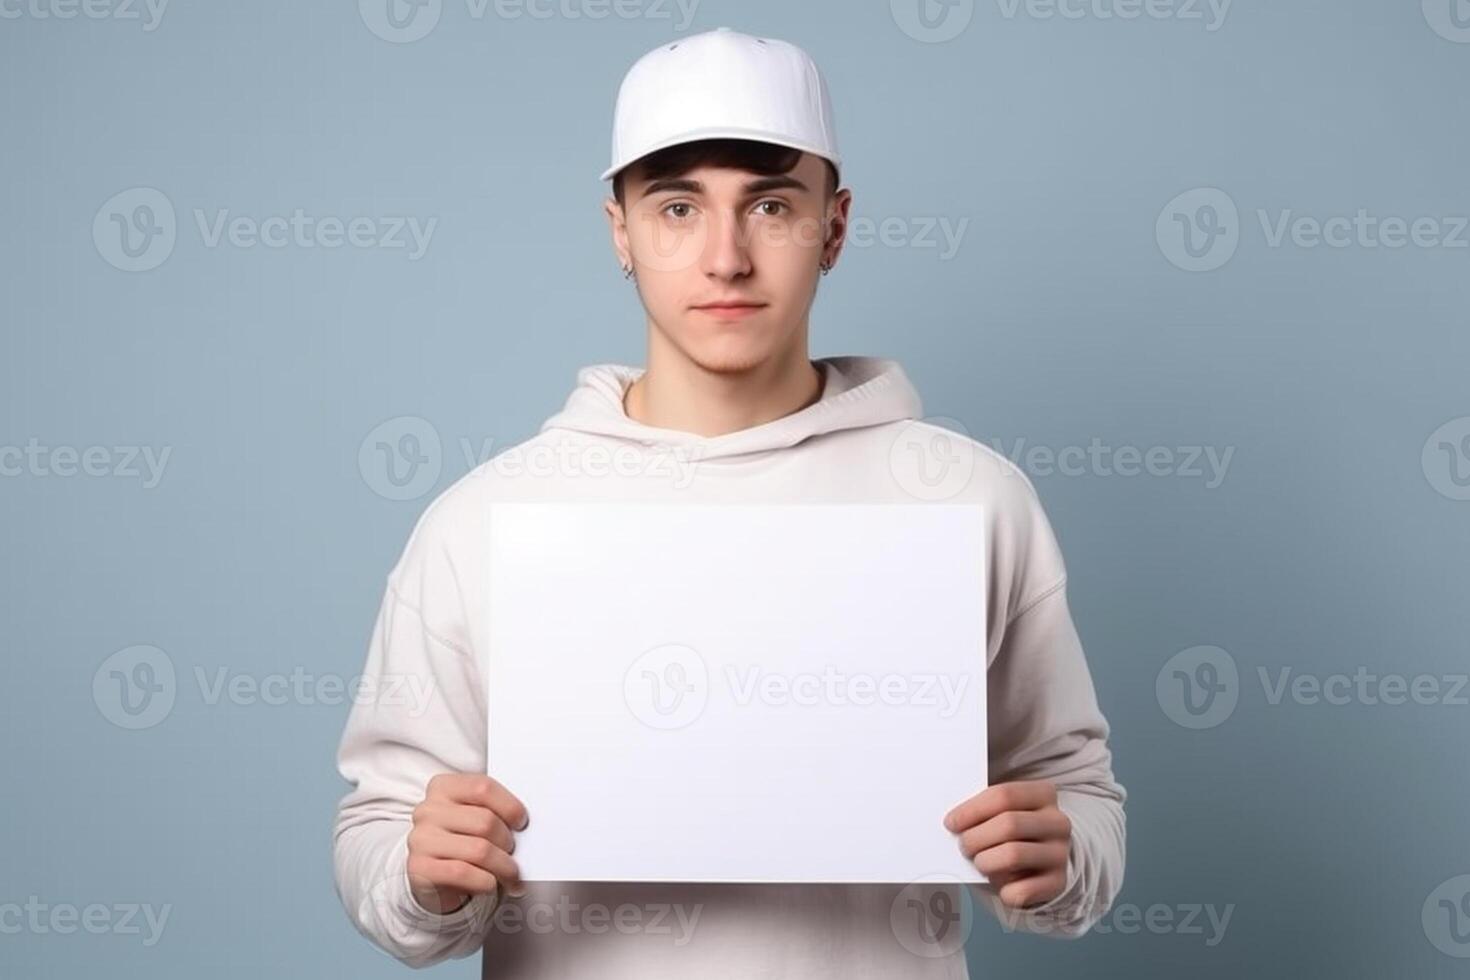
<point>731,353</point>
<point>725,348</point>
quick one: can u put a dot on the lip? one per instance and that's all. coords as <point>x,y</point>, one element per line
<point>730,311</point>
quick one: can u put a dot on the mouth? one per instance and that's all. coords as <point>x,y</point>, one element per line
<point>729,311</point>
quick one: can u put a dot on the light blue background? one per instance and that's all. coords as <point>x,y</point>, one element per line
<point>1059,320</point>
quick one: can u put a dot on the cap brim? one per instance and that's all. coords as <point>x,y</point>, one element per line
<point>726,133</point>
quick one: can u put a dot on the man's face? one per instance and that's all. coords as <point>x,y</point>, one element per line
<point>727,261</point>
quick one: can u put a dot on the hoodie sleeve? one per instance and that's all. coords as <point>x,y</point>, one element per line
<point>425,716</point>
<point>1044,723</point>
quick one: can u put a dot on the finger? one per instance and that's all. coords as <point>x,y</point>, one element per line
<point>443,873</point>
<point>1000,879</point>
<point>461,818</point>
<point>1032,825</point>
<point>1022,856</point>
<point>1033,889</point>
<point>471,788</point>
<point>443,845</point>
<point>995,800</point>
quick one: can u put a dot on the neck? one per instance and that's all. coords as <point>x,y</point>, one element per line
<point>675,392</point>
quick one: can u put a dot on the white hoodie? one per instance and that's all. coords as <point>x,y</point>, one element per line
<point>859,443</point>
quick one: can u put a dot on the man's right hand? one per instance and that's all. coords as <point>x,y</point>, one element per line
<point>461,841</point>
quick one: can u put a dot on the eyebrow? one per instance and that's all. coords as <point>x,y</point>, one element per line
<point>758,186</point>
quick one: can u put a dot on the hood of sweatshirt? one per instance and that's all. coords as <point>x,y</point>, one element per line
<point>857,392</point>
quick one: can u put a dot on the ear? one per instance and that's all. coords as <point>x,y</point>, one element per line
<point>618,224</point>
<point>836,237</point>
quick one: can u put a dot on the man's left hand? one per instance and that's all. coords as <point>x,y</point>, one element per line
<point>1018,838</point>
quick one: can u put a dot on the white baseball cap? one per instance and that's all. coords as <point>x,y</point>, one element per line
<point>722,84</point>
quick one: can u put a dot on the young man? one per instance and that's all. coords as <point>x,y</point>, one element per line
<point>726,211</point>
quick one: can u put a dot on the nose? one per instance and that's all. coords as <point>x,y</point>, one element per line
<point>726,252</point>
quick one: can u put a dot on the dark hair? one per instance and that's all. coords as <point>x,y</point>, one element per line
<point>766,159</point>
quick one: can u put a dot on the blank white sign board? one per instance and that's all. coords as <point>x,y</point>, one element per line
<point>748,693</point>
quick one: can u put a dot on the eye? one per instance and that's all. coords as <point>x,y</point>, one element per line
<point>668,208</point>
<point>780,207</point>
